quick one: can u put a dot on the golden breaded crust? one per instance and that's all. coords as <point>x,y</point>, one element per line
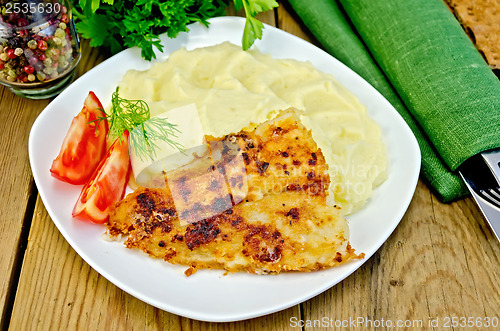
<point>288,231</point>
<point>279,155</point>
<point>259,205</point>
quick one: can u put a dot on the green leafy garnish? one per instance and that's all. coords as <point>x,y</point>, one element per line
<point>253,27</point>
<point>145,132</point>
<point>118,24</point>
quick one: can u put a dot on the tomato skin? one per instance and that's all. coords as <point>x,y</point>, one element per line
<point>107,185</point>
<point>84,145</point>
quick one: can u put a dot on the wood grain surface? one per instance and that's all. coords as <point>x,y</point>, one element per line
<point>16,117</point>
<point>441,261</point>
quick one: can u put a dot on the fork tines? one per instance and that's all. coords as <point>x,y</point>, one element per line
<point>492,195</point>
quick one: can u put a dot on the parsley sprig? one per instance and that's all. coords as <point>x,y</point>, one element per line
<point>253,27</point>
<point>118,24</point>
<point>145,132</point>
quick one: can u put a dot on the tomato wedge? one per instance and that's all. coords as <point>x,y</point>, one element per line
<point>107,185</point>
<point>84,145</point>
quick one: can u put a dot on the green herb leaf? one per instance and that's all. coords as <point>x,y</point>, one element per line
<point>126,23</point>
<point>145,132</point>
<point>259,6</point>
<point>253,27</point>
<point>253,31</point>
<point>94,5</point>
<point>94,28</point>
<point>238,4</point>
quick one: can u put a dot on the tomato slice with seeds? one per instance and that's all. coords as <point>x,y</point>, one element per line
<point>84,145</point>
<point>107,185</point>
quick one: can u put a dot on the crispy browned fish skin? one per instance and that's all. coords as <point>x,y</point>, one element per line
<point>287,231</point>
<point>280,222</point>
<point>279,155</point>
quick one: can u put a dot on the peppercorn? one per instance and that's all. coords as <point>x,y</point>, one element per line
<point>47,62</point>
<point>42,45</point>
<point>41,76</point>
<point>22,22</point>
<point>29,69</point>
<point>11,54</point>
<point>48,70</point>
<point>60,33</point>
<point>33,44</point>
<point>32,60</point>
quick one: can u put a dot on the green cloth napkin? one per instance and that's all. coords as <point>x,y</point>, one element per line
<point>423,56</point>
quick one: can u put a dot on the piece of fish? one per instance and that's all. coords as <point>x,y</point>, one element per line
<point>258,205</point>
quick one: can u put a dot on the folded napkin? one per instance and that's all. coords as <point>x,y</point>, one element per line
<point>417,55</point>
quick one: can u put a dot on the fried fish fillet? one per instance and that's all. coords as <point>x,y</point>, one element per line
<point>259,206</point>
<point>281,232</point>
<point>279,155</point>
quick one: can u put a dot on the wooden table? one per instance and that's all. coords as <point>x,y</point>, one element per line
<point>442,261</point>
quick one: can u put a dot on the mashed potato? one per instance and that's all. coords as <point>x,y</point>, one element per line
<point>234,89</point>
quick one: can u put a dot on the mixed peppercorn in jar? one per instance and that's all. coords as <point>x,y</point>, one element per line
<point>38,45</point>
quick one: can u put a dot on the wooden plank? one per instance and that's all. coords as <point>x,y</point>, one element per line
<point>267,17</point>
<point>90,58</point>
<point>16,117</point>
<point>469,256</point>
<point>288,21</point>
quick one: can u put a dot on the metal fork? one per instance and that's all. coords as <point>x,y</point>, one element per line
<point>492,159</point>
<point>481,174</point>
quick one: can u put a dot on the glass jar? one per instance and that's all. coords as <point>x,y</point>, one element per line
<point>39,47</point>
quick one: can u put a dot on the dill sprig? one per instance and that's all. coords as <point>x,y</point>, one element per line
<point>144,138</point>
<point>145,132</point>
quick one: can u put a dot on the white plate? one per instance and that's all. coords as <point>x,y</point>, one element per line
<point>209,295</point>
